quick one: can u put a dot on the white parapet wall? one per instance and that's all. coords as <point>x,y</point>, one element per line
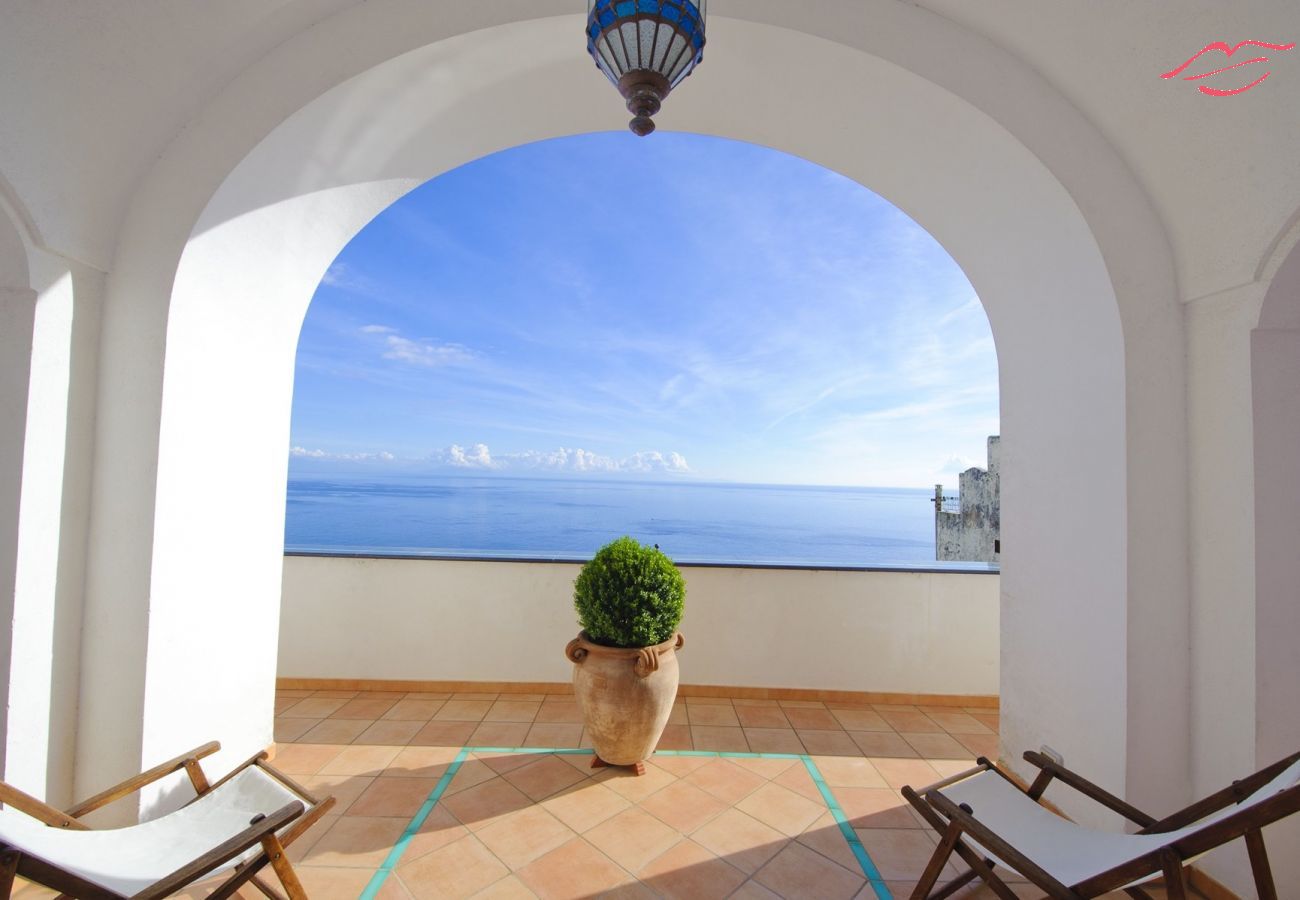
<point>928,632</point>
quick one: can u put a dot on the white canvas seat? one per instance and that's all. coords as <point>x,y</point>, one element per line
<point>988,820</point>
<point>238,825</point>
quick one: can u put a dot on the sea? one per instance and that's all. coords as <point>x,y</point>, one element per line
<point>569,519</point>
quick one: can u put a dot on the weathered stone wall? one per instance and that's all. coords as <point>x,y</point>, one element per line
<point>971,533</point>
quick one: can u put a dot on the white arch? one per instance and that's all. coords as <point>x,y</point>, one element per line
<point>1050,226</point>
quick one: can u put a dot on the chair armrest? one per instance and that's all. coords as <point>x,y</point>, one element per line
<point>224,852</point>
<point>1050,770</point>
<point>187,761</point>
<point>42,812</point>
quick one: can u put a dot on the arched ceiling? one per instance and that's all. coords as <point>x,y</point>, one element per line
<point>92,94</point>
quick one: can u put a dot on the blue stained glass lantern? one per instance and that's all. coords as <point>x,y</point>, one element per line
<point>646,48</point>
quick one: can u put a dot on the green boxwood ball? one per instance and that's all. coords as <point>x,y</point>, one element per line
<point>629,595</point>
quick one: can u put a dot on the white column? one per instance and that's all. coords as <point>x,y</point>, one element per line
<point>17,319</point>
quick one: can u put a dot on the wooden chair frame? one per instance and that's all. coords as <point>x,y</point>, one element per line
<point>303,814</point>
<point>952,821</point>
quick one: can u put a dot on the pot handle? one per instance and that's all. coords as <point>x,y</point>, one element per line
<point>575,652</point>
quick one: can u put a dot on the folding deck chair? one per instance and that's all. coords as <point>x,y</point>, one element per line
<point>239,825</point>
<point>987,819</point>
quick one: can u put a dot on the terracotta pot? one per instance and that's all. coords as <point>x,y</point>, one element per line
<point>626,695</point>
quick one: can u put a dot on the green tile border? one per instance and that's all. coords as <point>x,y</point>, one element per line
<point>869,870</point>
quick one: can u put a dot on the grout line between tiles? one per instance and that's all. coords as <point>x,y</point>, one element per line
<point>855,844</point>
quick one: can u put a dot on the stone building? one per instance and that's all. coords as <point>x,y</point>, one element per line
<point>971,531</point>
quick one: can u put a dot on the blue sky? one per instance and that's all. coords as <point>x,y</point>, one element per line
<point>674,306</point>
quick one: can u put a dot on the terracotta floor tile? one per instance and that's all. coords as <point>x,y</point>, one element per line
<point>633,787</point>
<point>553,734</point>
<point>898,772</point>
<point>335,731</point>
<point>499,734</point>
<point>392,733</point>
<point>829,743</point>
<point>681,766</point>
<point>985,745</point>
<point>877,743</point>
<point>420,762</point>
<point>356,842</point>
<point>443,734</point>
<point>741,840</point>
<point>958,722</point>
<point>544,776</point>
<point>902,720</point>
<point>312,708</point>
<point>360,760</point>
<point>938,746</point>
<point>632,890</point>
<point>428,695</point>
<point>345,789</point>
<point>895,707</point>
<point>413,710</point>
<point>632,838</point>
<point>798,872</point>
<point>797,779</point>
<point>294,693</point>
<point>875,808</point>
<point>561,711</point>
<point>575,869</point>
<point>802,704</point>
<point>462,711</point>
<point>900,854</point>
<point>846,771</point>
<point>678,715</point>
<point>478,807</point>
<point>297,850</point>
<point>812,719</point>
<point>718,737</point>
<point>332,883</point>
<point>439,829</point>
<point>363,707</point>
<point>459,869</point>
<point>513,711</point>
<point>585,805</point>
<point>762,717</point>
<point>752,890</point>
<point>675,737</point>
<point>683,806</point>
<point>728,782</point>
<point>765,768</point>
<point>711,715</point>
<point>782,809</point>
<point>504,761</point>
<point>522,837</point>
<point>991,721</point>
<point>747,701</point>
<point>773,740</point>
<point>508,888</point>
<point>470,773</point>
<point>289,730</point>
<point>304,759</point>
<point>690,872</point>
<point>861,720</point>
<point>283,703</point>
<point>825,836</point>
<point>488,696</point>
<point>399,797</point>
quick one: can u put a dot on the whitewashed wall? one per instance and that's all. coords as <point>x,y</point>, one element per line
<point>469,620</point>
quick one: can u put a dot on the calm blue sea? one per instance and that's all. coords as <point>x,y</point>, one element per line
<point>571,519</point>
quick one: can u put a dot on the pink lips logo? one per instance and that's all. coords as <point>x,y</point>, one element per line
<point>1227,51</point>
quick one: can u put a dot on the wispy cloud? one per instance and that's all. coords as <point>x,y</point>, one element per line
<point>381,456</point>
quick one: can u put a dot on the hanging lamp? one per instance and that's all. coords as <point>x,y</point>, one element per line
<point>645,48</point>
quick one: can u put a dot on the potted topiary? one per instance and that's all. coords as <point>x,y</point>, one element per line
<point>629,600</point>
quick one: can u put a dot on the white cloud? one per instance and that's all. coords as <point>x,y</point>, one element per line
<point>477,457</point>
<point>578,460</point>
<point>424,353</point>
<point>304,453</point>
<point>377,329</point>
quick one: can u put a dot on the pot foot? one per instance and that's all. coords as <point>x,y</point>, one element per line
<point>598,763</point>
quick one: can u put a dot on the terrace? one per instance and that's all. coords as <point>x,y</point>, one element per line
<point>176,178</point>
